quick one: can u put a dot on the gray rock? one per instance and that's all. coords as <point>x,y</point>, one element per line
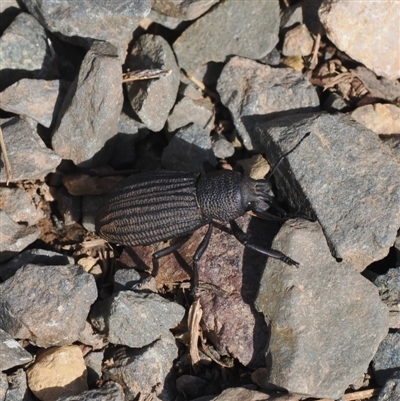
<point>11,353</point>
<point>3,386</point>
<point>93,362</point>
<point>335,103</point>
<point>90,205</point>
<point>135,319</point>
<point>19,206</point>
<point>47,305</point>
<point>33,256</point>
<point>243,394</point>
<point>110,392</point>
<point>291,16</point>
<point>183,9</point>
<point>189,148</point>
<point>89,116</point>
<point>23,50</point>
<point>111,22</point>
<point>247,29</point>
<point>168,22</point>
<point>126,279</point>
<point>387,358</point>
<point>38,99</point>
<point>152,99</point>
<point>342,163</point>
<point>28,155</point>
<point>69,206</point>
<point>190,386</point>
<point>18,388</point>
<point>316,312</point>
<point>188,111</point>
<point>14,237</point>
<point>391,389</point>
<point>145,371</point>
<point>249,88</point>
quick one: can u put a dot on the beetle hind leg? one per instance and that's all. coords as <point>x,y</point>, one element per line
<point>242,237</point>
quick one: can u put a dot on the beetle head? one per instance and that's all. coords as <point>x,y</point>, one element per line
<point>256,195</point>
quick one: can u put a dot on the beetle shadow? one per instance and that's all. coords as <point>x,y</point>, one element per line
<point>260,232</point>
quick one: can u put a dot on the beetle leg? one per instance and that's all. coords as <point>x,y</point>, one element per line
<point>242,237</point>
<point>198,254</point>
<point>166,251</point>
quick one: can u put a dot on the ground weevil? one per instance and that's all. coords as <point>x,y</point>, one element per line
<point>157,206</point>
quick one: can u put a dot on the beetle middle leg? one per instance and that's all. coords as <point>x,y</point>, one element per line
<point>243,238</point>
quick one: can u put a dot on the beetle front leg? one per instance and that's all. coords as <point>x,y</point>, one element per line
<point>242,237</point>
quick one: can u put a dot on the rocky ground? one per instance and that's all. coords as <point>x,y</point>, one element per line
<point>90,93</point>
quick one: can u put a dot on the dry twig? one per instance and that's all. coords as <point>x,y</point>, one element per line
<point>195,314</point>
<point>6,161</point>
<point>144,74</point>
<point>358,395</point>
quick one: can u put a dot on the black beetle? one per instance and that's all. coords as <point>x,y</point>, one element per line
<point>158,206</point>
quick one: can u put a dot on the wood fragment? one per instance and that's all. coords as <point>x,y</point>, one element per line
<point>204,89</point>
<point>358,395</point>
<point>314,59</point>
<point>195,314</point>
<point>144,74</point>
<point>6,161</point>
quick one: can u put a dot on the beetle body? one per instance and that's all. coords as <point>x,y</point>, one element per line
<point>158,206</point>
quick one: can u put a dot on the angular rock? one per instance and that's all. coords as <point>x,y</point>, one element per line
<point>387,358</point>
<point>18,389</point>
<point>89,116</point>
<point>158,18</point>
<point>90,205</point>
<point>33,256</point>
<point>249,88</point>
<point>316,312</point>
<point>229,276</point>
<point>381,118</point>
<point>58,372</point>
<point>152,99</point>
<point>188,111</point>
<point>145,371</point>
<point>341,173</point>
<point>3,386</point>
<point>28,311</point>
<point>111,22</point>
<point>14,237</point>
<point>110,392</point>
<point>189,148</point>
<point>28,155</point>
<point>183,9</point>
<point>88,337</point>
<point>19,206</point>
<point>247,29</point>
<point>380,53</point>
<point>221,147</point>
<point>298,42</point>
<point>391,389</point>
<point>23,50</point>
<point>126,279</point>
<point>11,353</point>
<point>135,319</point>
<point>38,99</point>
<point>93,362</point>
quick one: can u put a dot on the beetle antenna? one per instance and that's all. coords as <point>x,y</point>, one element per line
<point>279,161</point>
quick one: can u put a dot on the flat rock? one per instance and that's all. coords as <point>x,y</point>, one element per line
<point>14,237</point>
<point>380,53</point>
<point>19,206</point>
<point>135,319</point>
<point>182,9</point>
<point>249,88</point>
<point>345,164</point>
<point>110,392</point>
<point>57,372</point>
<point>11,353</point>
<point>188,111</point>
<point>219,34</point>
<point>188,149</point>
<point>28,155</point>
<point>23,50</point>
<point>42,319</point>
<point>38,99</point>
<point>316,312</point>
<point>111,22</point>
<point>89,116</point>
<point>33,256</point>
<point>387,358</point>
<point>152,99</point>
<point>145,371</point>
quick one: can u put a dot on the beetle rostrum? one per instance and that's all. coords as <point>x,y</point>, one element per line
<point>157,206</point>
